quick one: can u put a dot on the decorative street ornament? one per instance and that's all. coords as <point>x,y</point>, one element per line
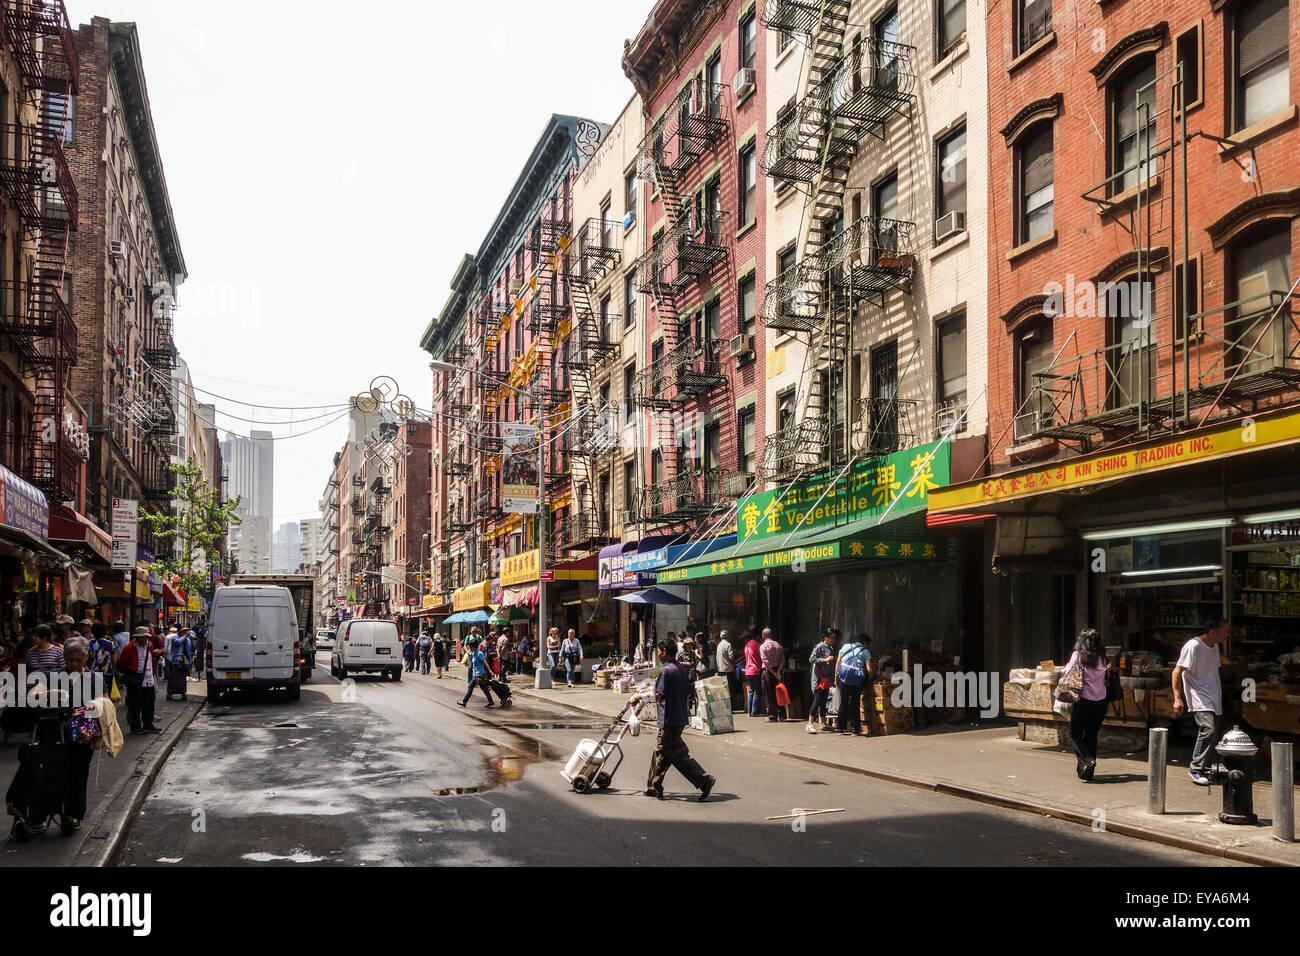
<point>140,406</point>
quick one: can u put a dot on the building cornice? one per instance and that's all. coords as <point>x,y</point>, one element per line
<point>1048,107</point>
<point>1147,40</point>
<point>1270,206</point>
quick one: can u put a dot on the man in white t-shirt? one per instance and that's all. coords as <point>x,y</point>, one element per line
<point>1197,691</point>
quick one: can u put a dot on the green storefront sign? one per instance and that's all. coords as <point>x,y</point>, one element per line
<point>859,546</point>
<point>868,491</point>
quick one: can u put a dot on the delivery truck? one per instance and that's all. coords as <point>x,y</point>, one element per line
<point>302,589</point>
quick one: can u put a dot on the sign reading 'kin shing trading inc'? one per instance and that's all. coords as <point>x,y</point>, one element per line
<point>899,483</point>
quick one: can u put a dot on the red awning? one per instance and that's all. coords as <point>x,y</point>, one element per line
<point>78,529</point>
<point>170,598</point>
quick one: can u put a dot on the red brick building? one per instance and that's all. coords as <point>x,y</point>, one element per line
<point>699,67</point>
<point>412,530</point>
<point>1145,208</point>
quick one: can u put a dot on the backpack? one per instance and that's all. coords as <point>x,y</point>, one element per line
<point>851,670</point>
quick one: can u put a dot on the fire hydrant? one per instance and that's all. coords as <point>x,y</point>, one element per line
<point>1237,776</point>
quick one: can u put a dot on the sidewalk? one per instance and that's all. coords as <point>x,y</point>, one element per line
<point>117,788</point>
<point>986,762</point>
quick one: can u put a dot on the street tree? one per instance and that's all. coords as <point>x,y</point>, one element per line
<point>198,523</point>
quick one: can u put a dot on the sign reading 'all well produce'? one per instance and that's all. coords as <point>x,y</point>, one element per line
<point>899,483</point>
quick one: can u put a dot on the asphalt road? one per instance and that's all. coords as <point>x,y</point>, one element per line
<point>402,776</point>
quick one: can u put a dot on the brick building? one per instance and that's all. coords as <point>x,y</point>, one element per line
<point>1144,195</point>
<point>412,530</point>
<point>126,265</point>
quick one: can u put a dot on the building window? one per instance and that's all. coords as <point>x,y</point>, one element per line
<point>606,322</point>
<point>785,409</point>
<point>1034,172</point>
<point>629,390</point>
<point>606,226</point>
<point>629,485</point>
<point>1133,123</point>
<point>748,41</point>
<point>950,179</point>
<point>1260,74</point>
<point>748,186</point>
<point>713,320</point>
<point>1189,48</point>
<point>1033,22</point>
<point>1185,315</point>
<point>1260,269</point>
<point>787,133</point>
<point>950,26</point>
<point>629,300</point>
<point>783,40</point>
<point>950,333</point>
<point>629,192</point>
<point>748,318</point>
<point>1129,306</point>
<point>745,430</point>
<point>1033,355</point>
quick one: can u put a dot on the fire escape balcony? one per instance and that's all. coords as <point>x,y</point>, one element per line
<point>692,368</point>
<point>358,504</point>
<point>597,432</point>
<point>358,481</point>
<point>792,301</point>
<point>599,249</point>
<point>36,319</point>
<point>488,505</point>
<point>1238,353</point>
<point>868,259</point>
<point>547,310</point>
<point>380,485</point>
<point>688,129</point>
<point>157,478</point>
<point>358,539</point>
<point>545,238</point>
<point>872,84</point>
<point>687,496</point>
<point>796,450</point>
<point>798,17</point>
<point>459,468</point>
<point>35,177</point>
<point>583,531</point>
<point>454,523</point>
<point>700,246</point>
<point>43,43</point>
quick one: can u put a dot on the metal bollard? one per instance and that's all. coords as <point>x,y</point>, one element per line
<point>1157,752</point>
<point>1283,792</point>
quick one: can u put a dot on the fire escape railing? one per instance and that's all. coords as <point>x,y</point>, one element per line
<point>43,43</point>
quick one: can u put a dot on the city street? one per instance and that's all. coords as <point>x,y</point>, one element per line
<point>402,776</point>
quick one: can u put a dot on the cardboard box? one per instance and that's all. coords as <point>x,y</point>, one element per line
<point>718,708</point>
<point>719,683</point>
<point>711,726</point>
<point>1027,698</point>
<point>898,721</point>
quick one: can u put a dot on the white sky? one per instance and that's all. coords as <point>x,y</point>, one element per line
<point>327,172</point>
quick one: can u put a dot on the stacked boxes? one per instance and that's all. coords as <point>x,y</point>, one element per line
<point>713,713</point>
<point>879,715</point>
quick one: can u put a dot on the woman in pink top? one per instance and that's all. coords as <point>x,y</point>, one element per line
<point>1086,716</point>
<point>753,672</point>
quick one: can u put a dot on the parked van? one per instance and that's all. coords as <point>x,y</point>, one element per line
<point>371,647</point>
<point>252,641</point>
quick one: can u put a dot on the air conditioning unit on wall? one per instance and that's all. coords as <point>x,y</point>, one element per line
<point>949,225</point>
<point>743,84</point>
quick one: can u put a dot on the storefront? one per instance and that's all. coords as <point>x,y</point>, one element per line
<point>571,593</point>
<point>32,571</point>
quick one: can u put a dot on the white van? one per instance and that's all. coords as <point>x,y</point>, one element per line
<point>372,647</point>
<point>252,641</point>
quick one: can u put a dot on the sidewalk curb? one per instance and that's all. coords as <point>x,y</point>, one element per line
<point>1045,810</point>
<point>1132,830</point>
<point>130,797</point>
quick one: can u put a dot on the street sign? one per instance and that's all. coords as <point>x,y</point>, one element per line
<point>126,533</point>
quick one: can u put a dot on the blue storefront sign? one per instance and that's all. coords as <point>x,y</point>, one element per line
<point>23,507</point>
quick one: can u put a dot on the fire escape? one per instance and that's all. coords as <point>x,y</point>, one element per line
<point>694,242</point>
<point>593,255</point>
<point>1165,358</point>
<point>35,178</point>
<point>850,96</point>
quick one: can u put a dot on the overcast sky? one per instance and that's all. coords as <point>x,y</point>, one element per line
<point>328,171</point>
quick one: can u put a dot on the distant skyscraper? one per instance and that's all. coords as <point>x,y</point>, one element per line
<point>286,552</point>
<point>250,475</point>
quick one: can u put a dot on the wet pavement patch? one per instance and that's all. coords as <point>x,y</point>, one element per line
<point>455,791</point>
<point>555,726</point>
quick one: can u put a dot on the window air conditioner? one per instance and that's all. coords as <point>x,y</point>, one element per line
<point>742,345</point>
<point>743,84</point>
<point>629,518</point>
<point>117,249</point>
<point>949,225</point>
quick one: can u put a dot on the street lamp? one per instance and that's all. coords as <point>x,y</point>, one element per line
<point>536,396</point>
<point>423,538</point>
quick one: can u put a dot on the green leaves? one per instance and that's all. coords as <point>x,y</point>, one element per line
<point>195,529</point>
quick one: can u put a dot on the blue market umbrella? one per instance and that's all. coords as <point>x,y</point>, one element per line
<point>475,617</point>
<point>651,596</point>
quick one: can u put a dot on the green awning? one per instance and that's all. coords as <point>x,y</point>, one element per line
<point>901,538</point>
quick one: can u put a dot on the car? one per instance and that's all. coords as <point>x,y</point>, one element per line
<point>253,641</point>
<point>367,647</point>
<point>325,639</point>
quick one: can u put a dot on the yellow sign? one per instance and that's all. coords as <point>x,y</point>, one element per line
<point>194,604</point>
<point>1246,436</point>
<point>519,568</point>
<point>430,600</point>
<point>473,598</point>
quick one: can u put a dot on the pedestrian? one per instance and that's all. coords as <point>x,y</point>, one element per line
<point>672,693</point>
<point>82,735</point>
<point>425,648</point>
<point>180,653</point>
<point>523,654</point>
<point>851,669</point>
<point>121,638</point>
<point>753,672</point>
<point>672,636</point>
<point>408,653</point>
<point>440,654</point>
<point>200,647</point>
<point>553,649</point>
<point>1197,691</point>
<point>726,662</point>
<point>772,658</point>
<point>101,652</point>
<point>505,650</point>
<point>44,656</point>
<point>822,664</point>
<point>571,652</point>
<point>1087,713</point>
<point>478,673</point>
<point>136,669</point>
